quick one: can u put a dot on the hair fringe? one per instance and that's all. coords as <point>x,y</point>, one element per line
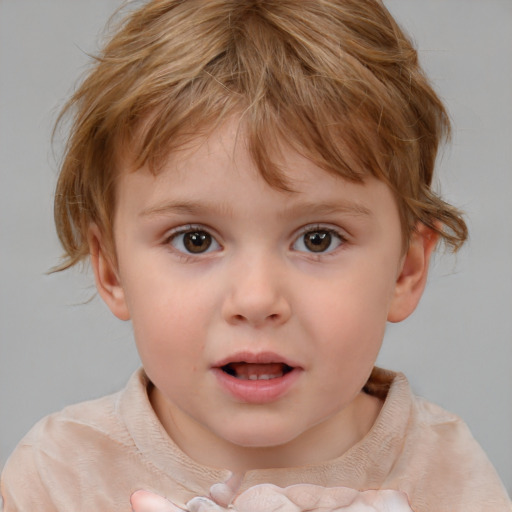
<point>338,81</point>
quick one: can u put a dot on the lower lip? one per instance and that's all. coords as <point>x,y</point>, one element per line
<point>257,391</point>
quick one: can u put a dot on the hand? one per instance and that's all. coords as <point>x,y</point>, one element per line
<point>145,501</point>
<point>314,498</point>
<point>295,498</point>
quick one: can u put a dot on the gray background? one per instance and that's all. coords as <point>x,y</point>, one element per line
<point>55,349</point>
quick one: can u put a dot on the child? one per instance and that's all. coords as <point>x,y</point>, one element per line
<point>252,182</point>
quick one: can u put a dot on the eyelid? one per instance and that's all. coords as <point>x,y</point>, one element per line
<point>318,226</point>
<point>183,228</point>
<point>190,228</point>
<point>335,230</point>
<point>186,228</point>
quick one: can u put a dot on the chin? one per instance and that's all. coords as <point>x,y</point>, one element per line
<point>267,436</point>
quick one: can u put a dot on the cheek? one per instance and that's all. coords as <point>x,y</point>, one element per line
<point>349,314</point>
<point>353,299</point>
<point>169,322</point>
<point>170,345</point>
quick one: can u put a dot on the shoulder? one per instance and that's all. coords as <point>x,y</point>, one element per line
<point>439,425</point>
<point>93,419</point>
<point>75,425</point>
<point>55,444</point>
<point>417,421</point>
<point>63,450</point>
<point>442,433</point>
<point>441,462</point>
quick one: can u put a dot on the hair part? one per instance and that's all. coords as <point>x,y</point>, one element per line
<point>337,80</point>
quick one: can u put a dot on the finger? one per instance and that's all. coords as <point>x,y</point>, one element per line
<point>308,496</point>
<point>223,493</point>
<point>264,498</point>
<point>387,500</point>
<point>145,501</point>
<point>201,504</point>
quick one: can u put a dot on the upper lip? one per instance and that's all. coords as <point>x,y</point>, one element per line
<point>255,358</point>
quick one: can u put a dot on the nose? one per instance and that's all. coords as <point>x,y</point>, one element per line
<point>256,294</point>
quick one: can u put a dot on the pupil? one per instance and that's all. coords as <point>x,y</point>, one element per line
<point>318,241</point>
<point>197,241</point>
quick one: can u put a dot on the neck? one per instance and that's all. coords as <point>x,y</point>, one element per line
<point>326,441</point>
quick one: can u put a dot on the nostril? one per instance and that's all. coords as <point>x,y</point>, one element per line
<point>255,310</point>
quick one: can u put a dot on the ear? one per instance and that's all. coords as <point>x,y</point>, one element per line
<point>413,274</point>
<point>106,276</point>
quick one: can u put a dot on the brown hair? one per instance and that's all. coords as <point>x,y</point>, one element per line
<point>336,79</point>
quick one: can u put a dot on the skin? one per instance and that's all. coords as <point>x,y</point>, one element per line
<point>296,498</point>
<point>258,288</point>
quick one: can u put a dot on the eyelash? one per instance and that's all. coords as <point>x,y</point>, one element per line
<point>183,230</point>
<point>186,254</point>
<point>332,232</point>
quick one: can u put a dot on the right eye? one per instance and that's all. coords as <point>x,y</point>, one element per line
<point>194,241</point>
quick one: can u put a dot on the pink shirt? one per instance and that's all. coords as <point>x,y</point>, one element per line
<point>94,455</point>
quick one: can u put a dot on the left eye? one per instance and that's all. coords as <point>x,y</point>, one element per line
<point>318,241</point>
<point>194,241</point>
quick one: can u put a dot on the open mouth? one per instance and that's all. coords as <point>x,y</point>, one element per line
<point>257,378</point>
<point>256,371</point>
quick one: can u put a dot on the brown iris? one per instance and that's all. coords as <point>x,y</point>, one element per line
<point>317,241</point>
<point>197,241</point>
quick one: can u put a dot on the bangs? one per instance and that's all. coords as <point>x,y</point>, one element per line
<point>343,119</point>
<point>338,82</point>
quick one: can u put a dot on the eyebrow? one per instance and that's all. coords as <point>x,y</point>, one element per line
<point>328,208</point>
<point>203,208</point>
<point>185,207</point>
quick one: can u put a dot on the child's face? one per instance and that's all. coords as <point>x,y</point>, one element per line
<point>217,269</point>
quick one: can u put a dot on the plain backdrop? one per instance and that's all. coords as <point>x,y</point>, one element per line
<point>57,348</point>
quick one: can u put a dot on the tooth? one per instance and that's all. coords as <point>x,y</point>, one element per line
<point>256,376</point>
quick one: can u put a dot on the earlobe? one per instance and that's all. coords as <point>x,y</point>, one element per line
<point>413,274</point>
<point>106,276</point>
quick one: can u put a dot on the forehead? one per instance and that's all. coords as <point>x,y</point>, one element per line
<point>218,172</point>
<point>275,153</point>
